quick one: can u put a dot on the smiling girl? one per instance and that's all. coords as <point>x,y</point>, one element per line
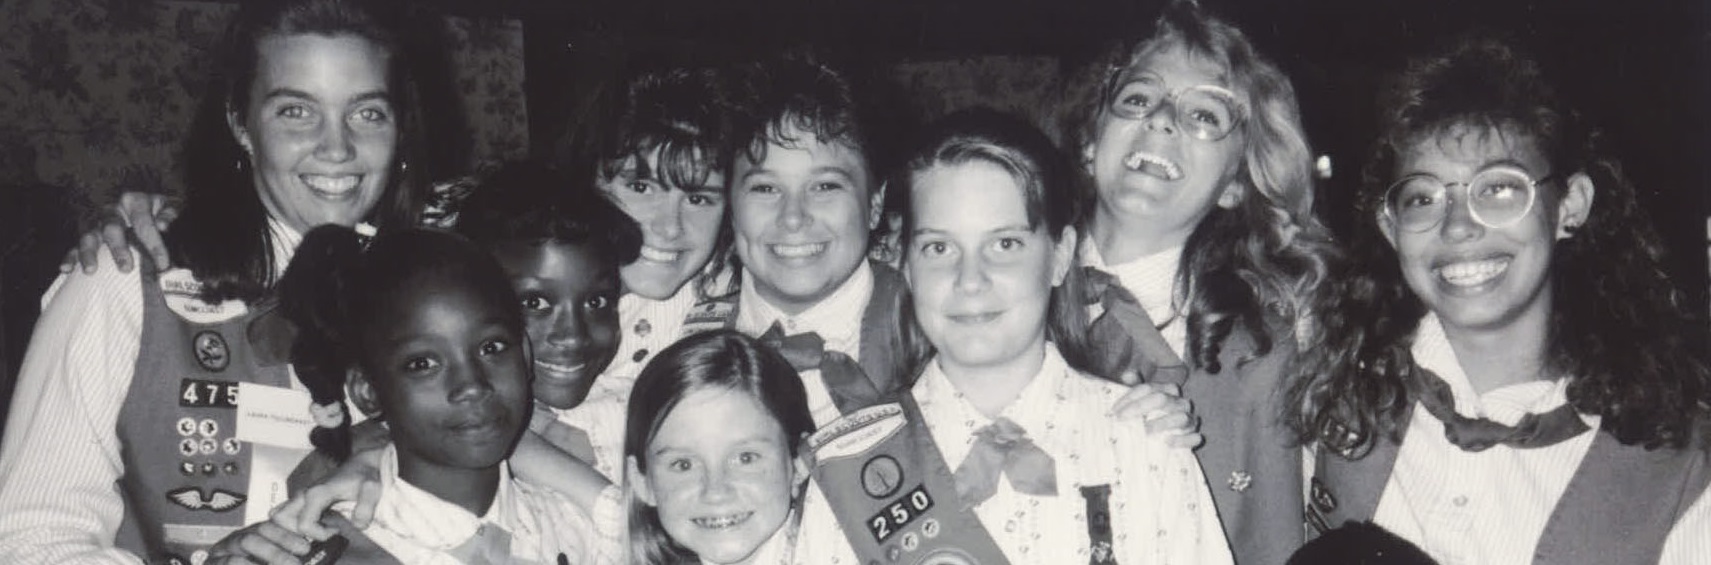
<point>1202,252</point>
<point>426,328</point>
<point>1509,376</point>
<point>1001,450</point>
<point>713,468</point>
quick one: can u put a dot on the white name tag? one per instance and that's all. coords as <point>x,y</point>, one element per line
<point>270,415</point>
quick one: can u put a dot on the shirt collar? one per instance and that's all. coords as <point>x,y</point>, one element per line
<point>1507,404</point>
<point>1151,278</point>
<point>837,318</point>
<point>285,241</point>
<point>1032,407</point>
<point>428,520</point>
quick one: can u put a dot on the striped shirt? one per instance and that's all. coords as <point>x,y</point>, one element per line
<point>1162,511</point>
<point>525,524</point>
<point>1491,506</point>
<point>60,459</point>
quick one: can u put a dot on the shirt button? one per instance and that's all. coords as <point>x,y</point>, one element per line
<point>1459,500</point>
<point>1010,526</point>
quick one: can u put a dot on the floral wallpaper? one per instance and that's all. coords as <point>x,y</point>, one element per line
<point>102,91</point>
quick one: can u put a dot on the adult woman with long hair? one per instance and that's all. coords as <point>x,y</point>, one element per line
<point>124,437</point>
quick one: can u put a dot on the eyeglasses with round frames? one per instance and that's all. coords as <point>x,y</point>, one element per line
<point>1207,112</point>
<point>1496,197</point>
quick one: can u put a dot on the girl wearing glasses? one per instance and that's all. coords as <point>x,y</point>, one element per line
<point>1198,251</point>
<point>1509,375</point>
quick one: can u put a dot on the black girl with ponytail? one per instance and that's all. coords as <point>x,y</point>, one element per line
<point>311,295</point>
<point>347,294</point>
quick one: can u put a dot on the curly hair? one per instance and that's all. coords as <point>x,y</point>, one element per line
<point>1263,258</point>
<point>1617,323</point>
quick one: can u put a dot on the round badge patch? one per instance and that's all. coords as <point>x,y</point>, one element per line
<point>186,426</point>
<point>881,476</point>
<point>211,352</point>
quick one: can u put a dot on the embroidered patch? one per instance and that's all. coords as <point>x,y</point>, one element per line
<point>856,432</point>
<point>197,393</point>
<point>219,501</point>
<point>1099,532</point>
<point>707,316</point>
<point>1240,481</point>
<point>881,476</point>
<point>211,352</point>
<point>182,292</point>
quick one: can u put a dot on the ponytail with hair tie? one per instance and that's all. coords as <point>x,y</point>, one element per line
<point>314,294</point>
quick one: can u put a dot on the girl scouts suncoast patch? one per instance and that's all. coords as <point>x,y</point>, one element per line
<point>183,293</point>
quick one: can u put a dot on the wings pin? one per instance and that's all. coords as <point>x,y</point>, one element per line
<point>219,501</point>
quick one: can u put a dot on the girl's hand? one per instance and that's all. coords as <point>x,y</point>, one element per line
<point>357,480</point>
<point>1163,411</point>
<point>145,216</point>
<point>262,542</point>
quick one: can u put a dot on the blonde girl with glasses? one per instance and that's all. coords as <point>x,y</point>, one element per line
<point>1199,249</point>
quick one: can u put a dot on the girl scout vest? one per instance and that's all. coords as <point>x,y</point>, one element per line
<point>1250,460</point>
<point>186,474</point>
<point>1619,507</point>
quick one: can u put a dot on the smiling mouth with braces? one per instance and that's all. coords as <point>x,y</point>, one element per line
<point>722,522</point>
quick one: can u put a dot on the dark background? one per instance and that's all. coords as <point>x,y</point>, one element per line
<point>1640,69</point>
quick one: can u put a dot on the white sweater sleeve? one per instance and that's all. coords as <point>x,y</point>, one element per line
<point>59,502</point>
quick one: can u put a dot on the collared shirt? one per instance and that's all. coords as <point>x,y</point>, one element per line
<point>524,525</point>
<point>1162,511</point>
<point>1152,279</point>
<point>648,326</point>
<point>837,319</point>
<point>60,458</point>
<point>1491,506</point>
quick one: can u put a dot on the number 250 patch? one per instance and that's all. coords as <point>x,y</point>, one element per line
<point>207,394</point>
<point>899,513</point>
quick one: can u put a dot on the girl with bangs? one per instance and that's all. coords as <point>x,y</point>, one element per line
<point>1200,252</point>
<point>1508,374</point>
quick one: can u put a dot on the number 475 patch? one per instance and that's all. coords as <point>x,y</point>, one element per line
<point>207,394</point>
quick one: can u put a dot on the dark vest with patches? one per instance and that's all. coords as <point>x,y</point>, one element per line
<point>1250,461</point>
<point>186,475</point>
<point>1619,507</point>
